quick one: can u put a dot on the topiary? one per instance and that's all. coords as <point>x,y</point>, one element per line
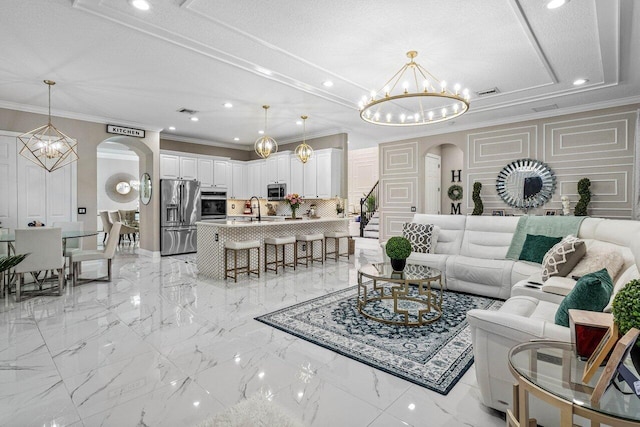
<point>398,247</point>
<point>626,307</point>
<point>585,197</point>
<point>478,207</point>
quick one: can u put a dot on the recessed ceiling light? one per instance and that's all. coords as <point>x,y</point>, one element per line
<point>236,139</point>
<point>261,132</point>
<point>554,4</point>
<point>299,122</point>
<point>172,128</point>
<point>140,4</point>
<point>227,105</point>
<point>327,83</point>
<point>579,82</point>
<point>194,118</point>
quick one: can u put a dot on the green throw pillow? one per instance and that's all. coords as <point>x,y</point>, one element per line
<point>535,247</point>
<point>592,293</point>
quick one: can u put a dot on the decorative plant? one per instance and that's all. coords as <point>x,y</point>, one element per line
<point>11,261</point>
<point>398,247</point>
<point>585,197</point>
<point>371,203</point>
<point>294,201</point>
<point>478,207</point>
<point>626,309</point>
<point>339,207</point>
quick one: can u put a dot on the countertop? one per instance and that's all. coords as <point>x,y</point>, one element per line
<point>268,223</point>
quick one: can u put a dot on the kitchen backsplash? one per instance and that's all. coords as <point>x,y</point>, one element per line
<point>324,207</point>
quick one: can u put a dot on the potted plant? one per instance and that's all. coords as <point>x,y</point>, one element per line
<point>585,197</point>
<point>398,249</point>
<point>371,203</point>
<point>339,208</point>
<point>8,262</point>
<point>626,314</point>
<point>478,207</point>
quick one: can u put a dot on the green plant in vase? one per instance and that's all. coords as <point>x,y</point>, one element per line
<point>398,249</point>
<point>478,207</point>
<point>8,262</point>
<point>294,201</point>
<point>585,197</point>
<point>626,314</point>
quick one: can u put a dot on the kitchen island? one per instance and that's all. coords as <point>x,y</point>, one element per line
<point>212,236</point>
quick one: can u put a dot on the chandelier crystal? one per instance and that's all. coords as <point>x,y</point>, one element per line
<point>46,146</point>
<point>265,145</point>
<point>304,150</point>
<point>413,100</point>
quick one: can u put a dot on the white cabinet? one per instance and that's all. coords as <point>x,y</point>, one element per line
<point>309,174</point>
<point>329,173</point>
<point>278,168</point>
<point>238,188</point>
<point>221,173</point>
<point>297,176</point>
<point>174,166</point>
<point>205,172</point>
<point>256,179</point>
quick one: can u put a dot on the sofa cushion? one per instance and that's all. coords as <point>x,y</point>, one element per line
<point>423,237</point>
<point>525,270</point>
<point>488,237</point>
<point>592,293</point>
<point>628,275</point>
<point>451,231</point>
<point>596,259</point>
<point>559,285</point>
<point>536,246</point>
<point>562,257</point>
<point>479,276</point>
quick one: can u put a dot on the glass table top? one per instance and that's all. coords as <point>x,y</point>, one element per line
<point>412,272</point>
<point>11,237</point>
<point>554,367</point>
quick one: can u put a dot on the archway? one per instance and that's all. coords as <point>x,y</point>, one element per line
<point>450,159</point>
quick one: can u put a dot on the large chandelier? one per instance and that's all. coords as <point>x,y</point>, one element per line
<point>46,146</point>
<point>304,150</point>
<point>418,99</point>
<point>265,145</point>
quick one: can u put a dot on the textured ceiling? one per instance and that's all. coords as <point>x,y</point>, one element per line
<point>119,65</point>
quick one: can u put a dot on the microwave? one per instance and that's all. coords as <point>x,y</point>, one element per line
<point>276,191</point>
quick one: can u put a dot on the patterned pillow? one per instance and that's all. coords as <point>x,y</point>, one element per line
<point>562,257</point>
<point>423,237</point>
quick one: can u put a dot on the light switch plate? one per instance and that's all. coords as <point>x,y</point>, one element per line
<point>413,208</point>
<point>82,211</point>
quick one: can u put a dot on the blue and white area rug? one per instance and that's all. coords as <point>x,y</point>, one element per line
<point>434,356</point>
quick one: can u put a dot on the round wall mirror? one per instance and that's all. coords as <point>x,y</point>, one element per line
<point>526,183</point>
<point>145,188</point>
<point>118,188</point>
<point>123,187</point>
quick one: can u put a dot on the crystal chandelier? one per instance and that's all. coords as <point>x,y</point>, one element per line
<point>46,146</point>
<point>265,145</point>
<point>418,99</point>
<point>304,150</point>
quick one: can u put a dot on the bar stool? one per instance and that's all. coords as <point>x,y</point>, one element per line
<point>245,245</point>
<point>309,239</point>
<point>279,242</point>
<point>336,236</point>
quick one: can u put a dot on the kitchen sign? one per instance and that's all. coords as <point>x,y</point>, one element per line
<point>121,130</point>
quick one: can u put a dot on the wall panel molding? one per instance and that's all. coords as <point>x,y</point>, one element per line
<point>399,159</point>
<point>399,193</point>
<point>497,148</point>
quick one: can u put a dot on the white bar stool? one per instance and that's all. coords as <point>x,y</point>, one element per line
<point>245,245</point>
<point>336,236</point>
<point>309,239</point>
<point>279,242</point>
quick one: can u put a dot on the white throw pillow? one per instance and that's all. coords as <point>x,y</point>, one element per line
<point>423,237</point>
<point>597,259</point>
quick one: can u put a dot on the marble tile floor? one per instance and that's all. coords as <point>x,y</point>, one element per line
<point>160,346</point>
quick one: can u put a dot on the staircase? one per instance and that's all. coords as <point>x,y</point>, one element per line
<point>369,217</point>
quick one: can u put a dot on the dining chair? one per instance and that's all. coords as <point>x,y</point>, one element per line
<point>108,253</point>
<point>74,244</point>
<point>124,229</point>
<point>106,224</point>
<point>4,251</point>
<point>45,246</point>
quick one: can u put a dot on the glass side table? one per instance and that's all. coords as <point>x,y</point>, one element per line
<point>552,372</point>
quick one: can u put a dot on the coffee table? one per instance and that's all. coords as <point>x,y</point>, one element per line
<point>388,285</point>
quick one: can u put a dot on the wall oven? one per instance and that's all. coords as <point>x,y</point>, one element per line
<point>276,191</point>
<point>213,205</point>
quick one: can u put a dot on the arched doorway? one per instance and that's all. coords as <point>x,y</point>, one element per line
<point>443,168</point>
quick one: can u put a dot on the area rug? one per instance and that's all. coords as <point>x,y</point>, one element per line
<point>434,356</point>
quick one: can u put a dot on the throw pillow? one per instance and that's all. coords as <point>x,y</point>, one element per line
<point>423,237</point>
<point>562,257</point>
<point>592,293</point>
<point>597,259</point>
<point>535,247</point>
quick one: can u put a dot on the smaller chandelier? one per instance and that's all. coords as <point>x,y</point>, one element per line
<point>46,146</point>
<point>304,150</point>
<point>418,99</point>
<point>265,145</point>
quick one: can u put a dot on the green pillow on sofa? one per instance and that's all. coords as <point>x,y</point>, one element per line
<point>592,293</point>
<point>536,247</point>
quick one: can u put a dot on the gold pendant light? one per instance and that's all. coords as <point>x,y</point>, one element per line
<point>304,150</point>
<point>419,99</point>
<point>46,146</point>
<point>265,145</point>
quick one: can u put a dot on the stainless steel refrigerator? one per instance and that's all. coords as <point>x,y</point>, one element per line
<point>179,211</point>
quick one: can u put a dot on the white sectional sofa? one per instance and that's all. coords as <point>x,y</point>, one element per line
<point>471,250</point>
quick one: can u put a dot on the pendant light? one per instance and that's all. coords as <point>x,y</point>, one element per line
<point>46,146</point>
<point>304,150</point>
<point>265,145</point>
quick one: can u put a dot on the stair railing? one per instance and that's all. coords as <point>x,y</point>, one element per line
<point>368,206</point>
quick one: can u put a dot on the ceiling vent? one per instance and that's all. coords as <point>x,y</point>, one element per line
<point>545,108</point>
<point>187,111</point>
<point>486,92</point>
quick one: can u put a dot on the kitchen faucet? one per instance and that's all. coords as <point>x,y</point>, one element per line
<point>258,200</point>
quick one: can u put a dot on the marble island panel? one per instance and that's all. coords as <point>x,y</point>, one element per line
<point>212,236</point>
